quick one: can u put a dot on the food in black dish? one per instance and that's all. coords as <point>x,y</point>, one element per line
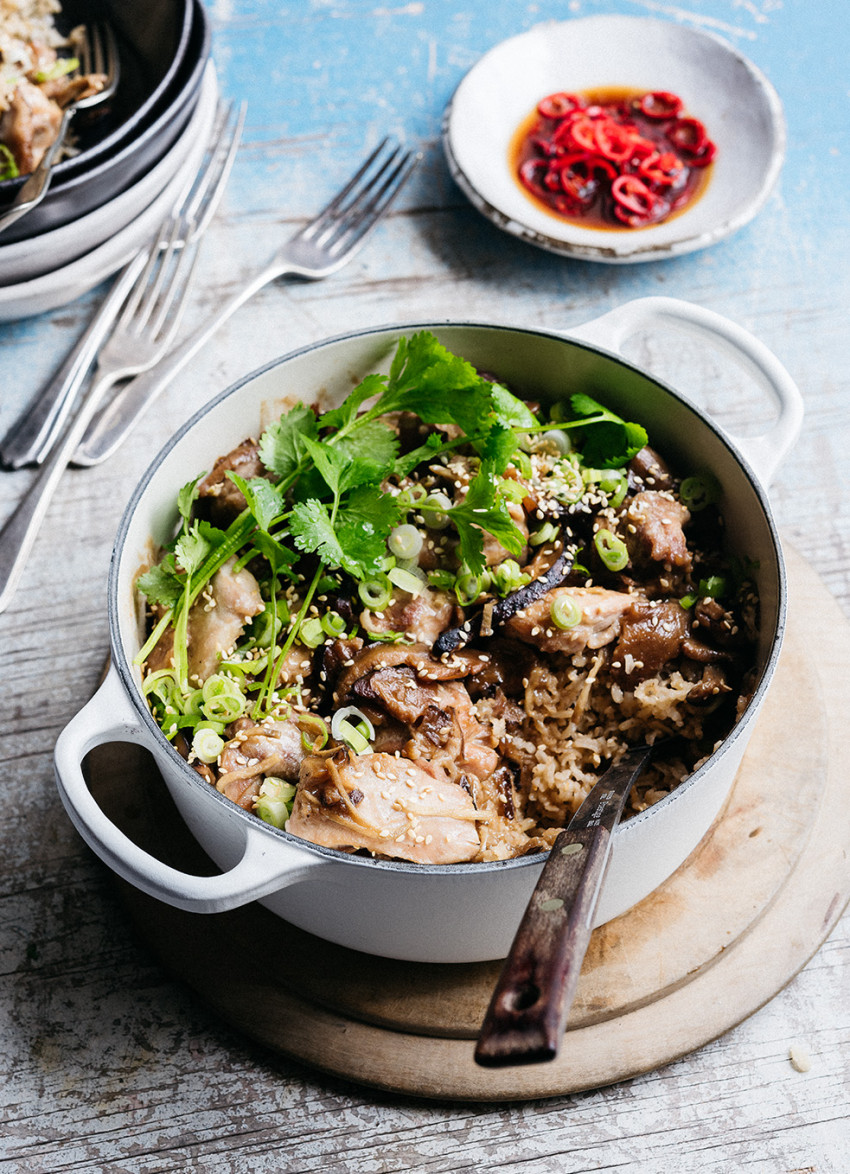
<point>156,42</point>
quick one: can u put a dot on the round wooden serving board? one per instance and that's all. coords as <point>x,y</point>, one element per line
<point>714,943</point>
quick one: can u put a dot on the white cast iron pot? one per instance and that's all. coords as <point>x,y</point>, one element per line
<point>461,912</point>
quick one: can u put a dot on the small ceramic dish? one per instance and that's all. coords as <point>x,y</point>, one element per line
<point>718,85</point>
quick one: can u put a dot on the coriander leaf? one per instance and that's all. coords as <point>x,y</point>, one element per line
<point>187,496</point>
<point>313,532</point>
<point>342,416</point>
<point>424,375</point>
<point>481,510</point>
<point>363,524</point>
<point>370,449</point>
<point>159,585</point>
<point>586,405</point>
<point>406,463</point>
<point>511,412</point>
<point>273,551</point>
<point>282,443</point>
<point>498,448</point>
<point>191,549</point>
<point>610,441</point>
<point>609,445</point>
<point>265,501</point>
<point>329,462</point>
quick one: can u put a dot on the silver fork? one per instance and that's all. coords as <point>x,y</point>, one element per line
<point>317,250</point>
<point>34,433</point>
<point>98,54</point>
<point>141,336</point>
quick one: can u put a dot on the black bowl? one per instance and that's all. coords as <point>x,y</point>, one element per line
<point>163,48</point>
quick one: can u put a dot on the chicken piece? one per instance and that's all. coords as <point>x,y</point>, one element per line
<point>423,617</point>
<point>651,635</point>
<point>601,615</point>
<point>387,805</point>
<point>218,618</point>
<point>29,125</point>
<point>255,751</point>
<point>222,498</point>
<point>447,710</point>
<point>73,88</point>
<point>656,520</point>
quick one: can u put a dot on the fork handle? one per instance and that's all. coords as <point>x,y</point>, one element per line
<point>113,424</point>
<point>19,533</point>
<point>30,439</point>
<point>33,191</point>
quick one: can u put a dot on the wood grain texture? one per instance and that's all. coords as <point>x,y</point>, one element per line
<point>107,1062</point>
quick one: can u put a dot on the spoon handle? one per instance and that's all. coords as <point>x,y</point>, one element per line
<point>525,1021</point>
<point>528,1011</point>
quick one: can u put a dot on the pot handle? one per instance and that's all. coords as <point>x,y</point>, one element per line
<point>262,869</point>
<point>766,452</point>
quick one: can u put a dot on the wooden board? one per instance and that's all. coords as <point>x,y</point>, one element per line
<point>727,931</point>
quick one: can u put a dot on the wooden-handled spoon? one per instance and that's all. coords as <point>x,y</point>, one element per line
<point>525,1021</point>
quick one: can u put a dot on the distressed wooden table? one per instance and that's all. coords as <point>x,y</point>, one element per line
<point>108,1064</point>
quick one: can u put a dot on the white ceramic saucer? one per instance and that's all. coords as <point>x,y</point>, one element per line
<point>740,108</point>
<point>120,228</point>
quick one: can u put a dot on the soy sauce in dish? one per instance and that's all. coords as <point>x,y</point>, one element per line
<point>612,158</point>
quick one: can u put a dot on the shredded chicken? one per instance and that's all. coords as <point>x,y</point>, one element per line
<point>218,618</point>
<point>387,805</point>
<point>601,614</point>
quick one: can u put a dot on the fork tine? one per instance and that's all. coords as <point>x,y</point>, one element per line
<point>209,186</point>
<point>331,209</point>
<point>173,290</point>
<point>318,231</point>
<point>351,229</point>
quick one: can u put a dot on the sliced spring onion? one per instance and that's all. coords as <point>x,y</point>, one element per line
<point>699,491</point>
<point>565,612</point>
<point>412,582</point>
<point>688,601</point>
<point>442,580</point>
<point>223,699</point>
<point>616,484</point>
<point>59,68</point>
<point>611,549</point>
<point>548,532</point>
<point>521,462</point>
<point>356,734</point>
<point>405,541</point>
<point>434,509</point>
<point>714,587</point>
<point>512,490</point>
<point>557,440</point>
<point>332,623</point>
<point>375,593</point>
<point>8,166</point>
<point>468,587</point>
<point>312,633</point>
<point>207,744</point>
<point>507,576</point>
<point>314,731</point>
<point>274,801</point>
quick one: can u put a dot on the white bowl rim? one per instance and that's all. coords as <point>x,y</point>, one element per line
<point>669,239</point>
<point>627,827</point>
